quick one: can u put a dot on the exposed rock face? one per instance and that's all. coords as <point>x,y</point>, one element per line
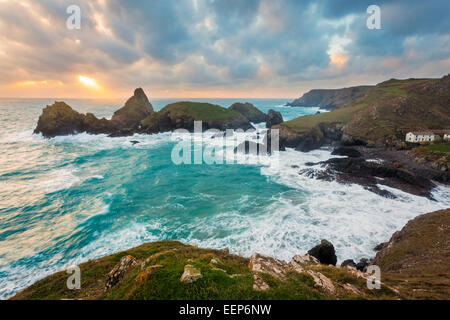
<point>322,282</point>
<point>60,119</point>
<point>273,118</point>
<point>298,262</point>
<point>135,110</point>
<point>190,274</point>
<point>262,264</point>
<point>317,137</point>
<point>365,173</point>
<point>119,271</point>
<point>324,252</point>
<point>182,115</point>
<point>331,99</point>
<point>249,111</point>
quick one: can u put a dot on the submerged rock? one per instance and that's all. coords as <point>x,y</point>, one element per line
<point>324,252</point>
<point>249,111</point>
<point>273,118</point>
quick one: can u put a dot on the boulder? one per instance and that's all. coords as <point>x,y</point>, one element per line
<point>298,262</point>
<point>249,111</point>
<point>362,264</point>
<point>136,109</point>
<point>349,263</point>
<point>273,118</point>
<point>190,274</point>
<point>262,264</point>
<point>324,252</point>
<point>118,272</point>
<point>322,283</point>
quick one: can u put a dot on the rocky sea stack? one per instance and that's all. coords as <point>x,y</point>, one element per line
<point>135,110</point>
<point>138,116</point>
<point>249,111</point>
<point>60,119</point>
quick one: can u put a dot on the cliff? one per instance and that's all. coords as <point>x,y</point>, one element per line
<point>171,270</point>
<point>380,118</point>
<point>330,98</point>
<point>417,258</point>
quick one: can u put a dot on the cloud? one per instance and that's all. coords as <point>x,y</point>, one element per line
<point>228,45</point>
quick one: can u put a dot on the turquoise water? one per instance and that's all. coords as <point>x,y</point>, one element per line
<point>69,199</point>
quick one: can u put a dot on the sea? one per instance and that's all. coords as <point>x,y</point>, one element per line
<point>66,200</point>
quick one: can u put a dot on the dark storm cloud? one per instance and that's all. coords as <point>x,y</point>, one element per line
<point>221,42</point>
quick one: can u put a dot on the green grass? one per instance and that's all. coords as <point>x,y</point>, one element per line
<point>200,111</point>
<point>341,115</point>
<point>442,148</point>
<point>164,283</point>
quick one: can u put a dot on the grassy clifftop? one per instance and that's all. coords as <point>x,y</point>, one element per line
<point>224,276</point>
<point>389,111</point>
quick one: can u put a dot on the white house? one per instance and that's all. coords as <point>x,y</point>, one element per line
<point>447,136</point>
<point>418,137</point>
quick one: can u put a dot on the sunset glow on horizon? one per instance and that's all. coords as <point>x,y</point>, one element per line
<point>254,48</point>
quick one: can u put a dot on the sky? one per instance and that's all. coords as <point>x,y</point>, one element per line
<point>216,48</point>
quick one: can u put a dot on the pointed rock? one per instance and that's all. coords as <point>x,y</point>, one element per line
<point>136,109</point>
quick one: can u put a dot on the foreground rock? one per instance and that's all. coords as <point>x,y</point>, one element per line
<point>190,274</point>
<point>119,271</point>
<point>273,118</point>
<point>249,111</point>
<point>324,252</point>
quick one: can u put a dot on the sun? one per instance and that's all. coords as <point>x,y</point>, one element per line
<point>89,82</point>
